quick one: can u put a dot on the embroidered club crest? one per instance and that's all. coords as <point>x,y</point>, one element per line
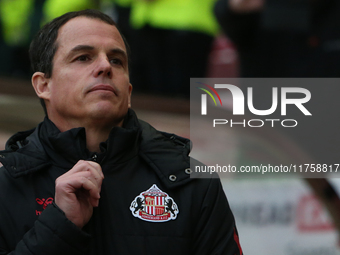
<point>154,205</point>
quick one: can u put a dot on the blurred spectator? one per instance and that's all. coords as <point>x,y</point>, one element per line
<point>291,38</point>
<point>55,8</point>
<point>223,59</point>
<point>123,10</point>
<point>170,43</point>
<point>15,36</point>
<point>284,38</point>
<point>19,21</point>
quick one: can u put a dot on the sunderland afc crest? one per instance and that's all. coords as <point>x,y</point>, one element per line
<point>154,205</point>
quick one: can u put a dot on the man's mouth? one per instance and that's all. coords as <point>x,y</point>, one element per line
<point>103,87</point>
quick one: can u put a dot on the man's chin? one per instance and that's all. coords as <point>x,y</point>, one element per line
<point>108,114</point>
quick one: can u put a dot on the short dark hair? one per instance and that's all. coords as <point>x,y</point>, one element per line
<point>44,46</point>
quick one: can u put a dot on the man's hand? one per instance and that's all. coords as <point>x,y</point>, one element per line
<point>245,6</point>
<point>78,191</point>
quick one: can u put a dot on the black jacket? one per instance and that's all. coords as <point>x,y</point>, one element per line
<point>135,160</point>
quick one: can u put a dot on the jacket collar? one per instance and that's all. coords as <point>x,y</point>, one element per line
<point>34,150</point>
<point>166,153</point>
<point>65,149</point>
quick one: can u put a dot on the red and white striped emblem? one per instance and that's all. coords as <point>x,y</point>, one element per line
<point>154,205</point>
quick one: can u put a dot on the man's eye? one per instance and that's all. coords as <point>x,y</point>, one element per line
<point>116,61</point>
<point>83,58</point>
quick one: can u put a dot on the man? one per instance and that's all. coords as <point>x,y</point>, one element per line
<point>92,178</point>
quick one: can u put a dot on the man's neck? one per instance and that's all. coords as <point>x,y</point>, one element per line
<point>94,137</point>
<point>96,131</point>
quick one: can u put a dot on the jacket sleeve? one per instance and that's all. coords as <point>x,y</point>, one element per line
<point>216,232</point>
<point>52,234</point>
<point>240,28</point>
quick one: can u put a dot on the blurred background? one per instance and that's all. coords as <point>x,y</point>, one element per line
<point>174,40</point>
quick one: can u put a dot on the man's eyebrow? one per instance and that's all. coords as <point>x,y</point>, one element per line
<point>89,48</point>
<point>81,48</point>
<point>119,51</point>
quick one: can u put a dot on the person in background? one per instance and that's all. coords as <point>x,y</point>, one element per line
<point>279,38</point>
<point>293,39</point>
<point>171,41</point>
<point>19,22</point>
<point>290,39</point>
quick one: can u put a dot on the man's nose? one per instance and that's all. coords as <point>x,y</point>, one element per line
<point>103,67</point>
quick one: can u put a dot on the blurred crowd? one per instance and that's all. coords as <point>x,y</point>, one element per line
<point>170,40</point>
<point>284,38</point>
<point>173,40</point>
<point>19,21</point>
<point>291,39</point>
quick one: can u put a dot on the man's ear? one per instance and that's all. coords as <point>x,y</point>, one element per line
<point>130,91</point>
<point>41,85</point>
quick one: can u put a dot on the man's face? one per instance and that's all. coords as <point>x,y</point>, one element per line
<point>90,76</point>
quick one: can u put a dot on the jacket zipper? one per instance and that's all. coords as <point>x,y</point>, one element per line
<point>94,157</point>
